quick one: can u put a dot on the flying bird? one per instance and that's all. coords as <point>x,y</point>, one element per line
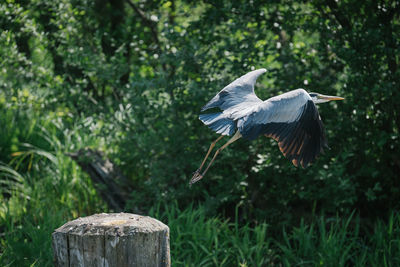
<point>292,119</point>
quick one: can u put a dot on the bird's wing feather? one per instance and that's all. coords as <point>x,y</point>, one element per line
<point>293,120</point>
<point>237,95</point>
<point>219,123</point>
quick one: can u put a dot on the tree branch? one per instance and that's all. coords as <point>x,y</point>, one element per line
<point>386,18</point>
<point>343,21</point>
<point>151,25</point>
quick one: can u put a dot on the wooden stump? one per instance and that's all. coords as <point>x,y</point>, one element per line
<point>116,239</point>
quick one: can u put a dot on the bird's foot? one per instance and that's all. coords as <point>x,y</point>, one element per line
<point>197,172</point>
<point>196,177</point>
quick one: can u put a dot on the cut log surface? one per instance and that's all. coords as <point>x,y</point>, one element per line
<point>116,239</point>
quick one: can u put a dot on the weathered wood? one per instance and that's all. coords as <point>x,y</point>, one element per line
<point>60,248</point>
<point>116,239</point>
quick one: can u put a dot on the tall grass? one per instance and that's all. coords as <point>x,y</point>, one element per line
<point>40,187</point>
<point>197,240</point>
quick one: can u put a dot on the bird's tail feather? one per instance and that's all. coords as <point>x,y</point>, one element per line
<point>218,123</point>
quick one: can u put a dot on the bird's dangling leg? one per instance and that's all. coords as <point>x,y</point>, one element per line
<point>197,176</point>
<point>212,145</point>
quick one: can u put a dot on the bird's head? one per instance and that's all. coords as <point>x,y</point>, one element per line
<point>319,98</point>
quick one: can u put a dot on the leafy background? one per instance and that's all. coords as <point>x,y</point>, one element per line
<point>129,78</point>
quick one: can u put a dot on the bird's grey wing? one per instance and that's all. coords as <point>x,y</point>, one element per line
<point>238,94</point>
<point>291,119</point>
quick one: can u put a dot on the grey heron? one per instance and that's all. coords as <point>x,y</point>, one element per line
<point>292,119</point>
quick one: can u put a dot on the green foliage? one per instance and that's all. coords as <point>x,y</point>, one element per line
<point>140,71</point>
<point>33,204</point>
<point>338,242</point>
<point>40,186</point>
<point>130,77</point>
<point>197,240</point>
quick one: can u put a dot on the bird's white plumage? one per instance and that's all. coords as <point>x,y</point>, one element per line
<point>238,94</point>
<point>283,108</point>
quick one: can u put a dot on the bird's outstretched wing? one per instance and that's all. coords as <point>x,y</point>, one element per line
<point>237,95</point>
<point>233,100</point>
<point>292,119</point>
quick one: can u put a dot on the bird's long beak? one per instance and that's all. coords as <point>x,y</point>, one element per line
<point>329,97</point>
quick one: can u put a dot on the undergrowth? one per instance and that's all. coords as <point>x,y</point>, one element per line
<point>42,188</point>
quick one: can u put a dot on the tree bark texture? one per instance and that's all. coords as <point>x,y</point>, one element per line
<point>108,240</point>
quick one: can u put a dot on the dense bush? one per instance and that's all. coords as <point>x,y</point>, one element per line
<point>130,77</point>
